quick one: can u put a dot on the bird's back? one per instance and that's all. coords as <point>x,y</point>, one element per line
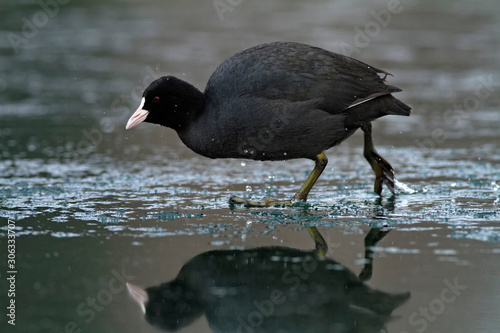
<point>296,72</point>
<point>287,100</point>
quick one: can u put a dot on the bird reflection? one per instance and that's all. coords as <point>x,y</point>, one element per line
<point>271,289</point>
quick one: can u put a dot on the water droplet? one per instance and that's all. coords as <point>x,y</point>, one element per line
<point>219,243</point>
<point>32,146</point>
<point>404,187</point>
<point>243,163</point>
<point>285,153</point>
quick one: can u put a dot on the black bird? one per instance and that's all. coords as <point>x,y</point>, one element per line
<point>277,101</point>
<point>271,289</point>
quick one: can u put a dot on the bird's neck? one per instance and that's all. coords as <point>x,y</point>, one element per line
<point>189,104</point>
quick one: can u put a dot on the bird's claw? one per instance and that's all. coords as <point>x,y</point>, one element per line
<point>384,174</point>
<point>387,176</point>
<point>268,202</point>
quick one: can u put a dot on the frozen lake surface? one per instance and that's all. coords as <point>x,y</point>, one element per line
<point>95,205</point>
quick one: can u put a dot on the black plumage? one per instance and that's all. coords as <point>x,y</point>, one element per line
<point>275,101</point>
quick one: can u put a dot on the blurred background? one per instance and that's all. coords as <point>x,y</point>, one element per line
<point>91,201</point>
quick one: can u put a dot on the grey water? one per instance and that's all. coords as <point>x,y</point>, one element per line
<point>93,206</point>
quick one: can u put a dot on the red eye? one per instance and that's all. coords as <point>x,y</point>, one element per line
<point>156,99</point>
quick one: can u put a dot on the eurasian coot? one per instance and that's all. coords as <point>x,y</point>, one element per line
<point>277,101</point>
<point>233,288</point>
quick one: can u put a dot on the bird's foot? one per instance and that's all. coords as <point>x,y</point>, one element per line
<point>268,202</point>
<point>384,174</point>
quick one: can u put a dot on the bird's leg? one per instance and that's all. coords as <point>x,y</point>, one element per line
<point>371,239</point>
<point>321,161</point>
<point>321,247</point>
<point>384,174</point>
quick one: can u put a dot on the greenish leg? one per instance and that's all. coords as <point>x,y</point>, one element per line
<point>321,247</point>
<point>374,236</point>
<point>371,239</point>
<point>321,162</point>
<point>384,174</point>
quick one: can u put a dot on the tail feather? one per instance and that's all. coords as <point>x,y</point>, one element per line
<point>393,89</point>
<point>400,109</point>
<point>367,112</point>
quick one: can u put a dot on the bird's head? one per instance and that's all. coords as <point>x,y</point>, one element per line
<point>169,306</point>
<point>167,101</point>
